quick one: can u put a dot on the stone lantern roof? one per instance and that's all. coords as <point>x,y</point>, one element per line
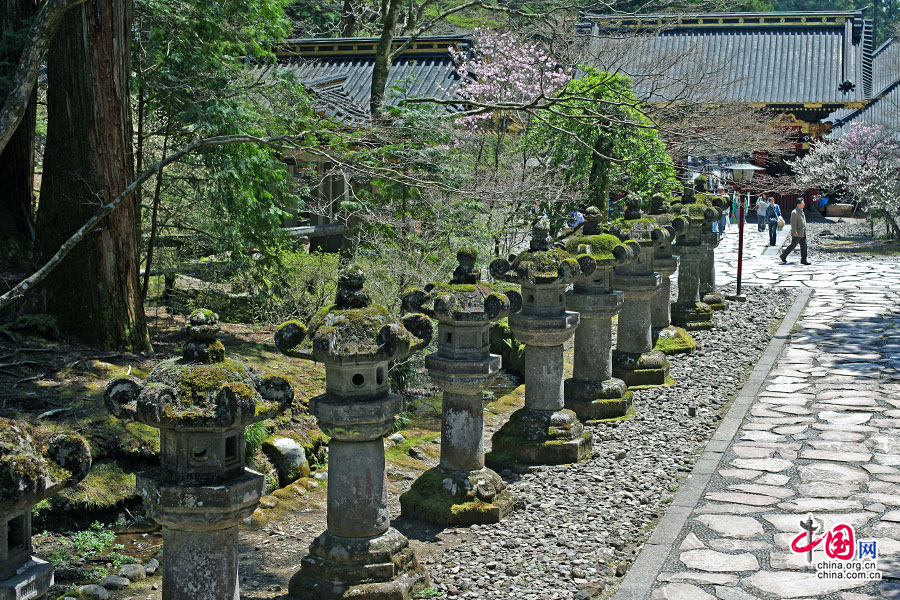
<point>465,299</point>
<point>31,471</point>
<point>353,329</point>
<point>202,389</point>
<point>543,263</point>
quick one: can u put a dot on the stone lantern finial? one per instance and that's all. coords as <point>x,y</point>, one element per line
<point>201,403</point>
<point>540,234</point>
<point>461,490</point>
<point>31,471</point>
<point>359,554</point>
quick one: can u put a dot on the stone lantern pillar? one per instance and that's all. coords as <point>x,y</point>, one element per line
<point>708,294</point>
<point>201,404</point>
<point>360,555</point>
<point>544,431</point>
<point>30,472</point>
<point>592,392</point>
<point>688,311</point>
<point>634,359</point>
<point>461,490</point>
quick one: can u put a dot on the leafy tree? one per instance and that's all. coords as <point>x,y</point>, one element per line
<point>597,134</point>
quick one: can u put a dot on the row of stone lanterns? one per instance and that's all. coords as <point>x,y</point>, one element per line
<point>202,402</point>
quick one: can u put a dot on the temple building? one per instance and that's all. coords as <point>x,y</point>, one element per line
<point>884,108</point>
<point>808,67</point>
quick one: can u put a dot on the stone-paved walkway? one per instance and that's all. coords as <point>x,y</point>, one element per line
<point>821,436</point>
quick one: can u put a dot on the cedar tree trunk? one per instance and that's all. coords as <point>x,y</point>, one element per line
<point>95,294</point>
<point>390,14</point>
<point>17,158</point>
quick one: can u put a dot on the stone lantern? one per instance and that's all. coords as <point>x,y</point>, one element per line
<point>461,490</point>
<point>360,555</point>
<point>634,359</point>
<point>31,471</point>
<point>708,294</point>
<point>688,311</point>
<point>544,431</point>
<point>592,392</point>
<point>201,404</point>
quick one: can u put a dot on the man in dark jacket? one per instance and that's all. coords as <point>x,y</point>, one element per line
<point>798,233</point>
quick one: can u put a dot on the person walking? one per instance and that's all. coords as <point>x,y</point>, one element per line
<point>773,213</point>
<point>798,233</point>
<point>760,214</point>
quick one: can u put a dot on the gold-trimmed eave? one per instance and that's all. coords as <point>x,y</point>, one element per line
<point>319,50</point>
<point>719,21</point>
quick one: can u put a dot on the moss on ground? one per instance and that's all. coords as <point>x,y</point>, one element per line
<point>106,486</point>
<point>675,340</point>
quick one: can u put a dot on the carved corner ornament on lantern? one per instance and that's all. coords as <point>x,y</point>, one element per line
<point>30,471</point>
<point>668,338</point>
<point>592,392</point>
<point>634,359</point>
<point>461,490</point>
<point>544,432</point>
<point>201,404</point>
<point>695,213</point>
<point>359,555</point>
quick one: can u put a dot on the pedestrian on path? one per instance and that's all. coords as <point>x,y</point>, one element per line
<point>798,233</point>
<point>773,213</point>
<point>760,214</point>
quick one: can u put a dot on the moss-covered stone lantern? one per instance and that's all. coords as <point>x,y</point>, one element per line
<point>461,490</point>
<point>592,392</point>
<point>694,213</point>
<point>201,403</point>
<point>359,555</point>
<point>30,471</point>
<point>708,293</point>
<point>634,360</point>
<point>544,431</point>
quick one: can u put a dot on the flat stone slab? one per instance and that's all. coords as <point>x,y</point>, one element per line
<point>784,584</point>
<point>719,562</point>
<point>742,498</point>
<point>791,522</point>
<point>691,542</point>
<point>728,545</point>
<point>805,505</point>
<point>773,465</point>
<point>740,473</point>
<point>829,472</point>
<point>766,490</point>
<point>836,456</point>
<point>680,591</point>
<point>731,526</point>
<point>699,578</point>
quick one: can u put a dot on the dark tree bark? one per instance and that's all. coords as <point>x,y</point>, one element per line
<point>17,157</point>
<point>390,14</point>
<point>598,179</point>
<point>95,295</point>
<point>348,20</point>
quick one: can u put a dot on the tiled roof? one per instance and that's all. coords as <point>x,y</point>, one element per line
<point>884,109</point>
<point>342,70</point>
<point>776,59</point>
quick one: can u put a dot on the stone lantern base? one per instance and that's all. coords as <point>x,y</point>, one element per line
<point>33,581</point>
<point>715,300</point>
<point>647,369</point>
<point>608,399</point>
<point>383,567</point>
<point>673,340</point>
<point>447,497</point>
<point>693,317</point>
<point>540,437</point>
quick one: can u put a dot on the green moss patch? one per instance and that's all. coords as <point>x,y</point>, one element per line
<point>675,340</point>
<point>106,486</point>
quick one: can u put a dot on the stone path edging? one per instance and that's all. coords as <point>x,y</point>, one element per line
<point>642,575</point>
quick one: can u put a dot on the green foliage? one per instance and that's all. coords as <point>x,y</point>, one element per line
<point>603,140</point>
<point>254,436</point>
<point>93,541</point>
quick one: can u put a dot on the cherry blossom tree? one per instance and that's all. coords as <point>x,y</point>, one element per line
<point>865,162</point>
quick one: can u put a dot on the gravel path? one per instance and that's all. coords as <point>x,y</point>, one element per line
<point>582,524</point>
